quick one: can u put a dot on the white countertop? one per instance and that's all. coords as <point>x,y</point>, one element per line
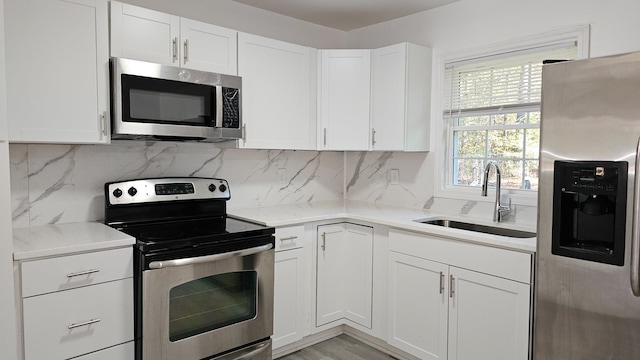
<point>65,239</point>
<point>391,216</point>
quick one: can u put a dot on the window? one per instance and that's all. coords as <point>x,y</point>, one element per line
<point>492,113</point>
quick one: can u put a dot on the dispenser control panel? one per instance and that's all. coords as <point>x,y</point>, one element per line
<point>592,177</point>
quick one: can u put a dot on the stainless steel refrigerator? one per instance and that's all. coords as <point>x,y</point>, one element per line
<point>587,259</point>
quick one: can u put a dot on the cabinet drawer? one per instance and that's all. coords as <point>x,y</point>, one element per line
<point>68,272</point>
<point>291,237</point>
<point>504,263</point>
<point>48,318</point>
<point>120,352</point>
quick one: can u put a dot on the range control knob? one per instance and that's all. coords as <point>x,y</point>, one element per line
<point>212,188</point>
<point>117,193</point>
<point>132,191</point>
<point>222,187</point>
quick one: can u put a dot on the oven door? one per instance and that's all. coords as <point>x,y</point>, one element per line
<point>199,307</point>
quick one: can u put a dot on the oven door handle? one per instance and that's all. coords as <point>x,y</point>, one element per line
<point>209,258</point>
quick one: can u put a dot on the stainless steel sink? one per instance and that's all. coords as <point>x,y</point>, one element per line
<point>479,228</point>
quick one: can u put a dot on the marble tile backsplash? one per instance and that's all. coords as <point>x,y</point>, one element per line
<point>65,183</point>
<point>368,179</point>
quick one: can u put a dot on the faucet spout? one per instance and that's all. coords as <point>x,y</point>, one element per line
<point>500,211</point>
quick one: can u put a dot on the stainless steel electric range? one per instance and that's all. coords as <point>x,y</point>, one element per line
<point>203,281</point>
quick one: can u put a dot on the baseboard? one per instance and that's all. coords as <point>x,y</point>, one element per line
<point>307,341</point>
<point>339,330</point>
<point>378,344</point>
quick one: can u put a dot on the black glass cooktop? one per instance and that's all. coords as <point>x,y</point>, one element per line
<point>180,234</point>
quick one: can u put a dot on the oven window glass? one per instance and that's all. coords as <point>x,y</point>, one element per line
<point>211,303</point>
<point>163,101</point>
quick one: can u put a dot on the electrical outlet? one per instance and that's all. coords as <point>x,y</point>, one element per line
<point>394,174</point>
<point>282,176</point>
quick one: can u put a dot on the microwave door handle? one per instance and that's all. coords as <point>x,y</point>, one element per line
<point>219,105</point>
<point>209,258</point>
<point>635,231</point>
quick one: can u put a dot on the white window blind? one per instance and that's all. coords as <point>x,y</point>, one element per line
<point>498,82</point>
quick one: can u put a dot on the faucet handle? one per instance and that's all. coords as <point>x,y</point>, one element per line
<point>505,209</point>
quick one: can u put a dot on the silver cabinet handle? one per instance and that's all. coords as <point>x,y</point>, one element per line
<point>325,137</point>
<point>635,232</point>
<point>209,258</point>
<point>186,51</point>
<point>81,273</point>
<point>244,133</point>
<point>103,123</point>
<point>288,238</point>
<point>175,49</point>
<point>441,282</point>
<point>324,241</point>
<point>373,137</point>
<point>452,284</point>
<point>86,323</point>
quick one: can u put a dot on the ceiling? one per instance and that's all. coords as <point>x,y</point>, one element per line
<point>346,14</point>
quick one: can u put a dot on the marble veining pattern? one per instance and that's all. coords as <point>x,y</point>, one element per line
<point>369,179</point>
<point>65,183</point>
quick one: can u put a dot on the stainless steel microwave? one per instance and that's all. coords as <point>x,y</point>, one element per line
<point>158,102</point>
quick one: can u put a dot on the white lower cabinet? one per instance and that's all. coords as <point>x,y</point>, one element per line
<point>82,307</point>
<point>418,306</point>
<point>118,352</point>
<point>458,301</point>
<point>488,317</point>
<point>344,274</point>
<point>290,277</point>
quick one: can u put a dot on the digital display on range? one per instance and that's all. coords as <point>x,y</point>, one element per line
<point>174,189</point>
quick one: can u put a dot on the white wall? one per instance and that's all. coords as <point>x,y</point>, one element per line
<point>472,25</point>
<point>237,16</point>
<point>8,342</point>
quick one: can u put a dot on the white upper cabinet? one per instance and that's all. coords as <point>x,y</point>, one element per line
<point>152,36</point>
<point>57,64</point>
<point>401,98</point>
<point>344,97</point>
<point>279,93</point>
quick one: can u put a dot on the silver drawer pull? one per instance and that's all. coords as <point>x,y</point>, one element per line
<point>288,238</point>
<point>80,273</point>
<point>86,323</point>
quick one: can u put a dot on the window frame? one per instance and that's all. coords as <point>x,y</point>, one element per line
<point>443,132</point>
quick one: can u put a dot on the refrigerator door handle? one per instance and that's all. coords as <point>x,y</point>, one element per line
<point>635,231</point>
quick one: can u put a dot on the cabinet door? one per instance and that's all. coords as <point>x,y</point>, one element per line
<point>288,312</point>
<point>279,94</point>
<point>208,47</point>
<point>388,95</point>
<point>418,305</point>
<point>488,317</point>
<point>345,274</point>
<point>57,69</point>
<point>358,273</point>
<point>330,277</point>
<point>345,79</point>
<point>401,98</point>
<point>142,34</point>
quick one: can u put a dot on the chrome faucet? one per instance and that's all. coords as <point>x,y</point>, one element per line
<point>500,212</point>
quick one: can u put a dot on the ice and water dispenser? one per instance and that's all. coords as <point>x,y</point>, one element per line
<point>589,210</point>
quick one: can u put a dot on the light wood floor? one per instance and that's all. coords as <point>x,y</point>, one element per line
<point>341,347</point>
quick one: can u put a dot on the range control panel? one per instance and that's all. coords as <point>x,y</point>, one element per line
<point>166,189</point>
